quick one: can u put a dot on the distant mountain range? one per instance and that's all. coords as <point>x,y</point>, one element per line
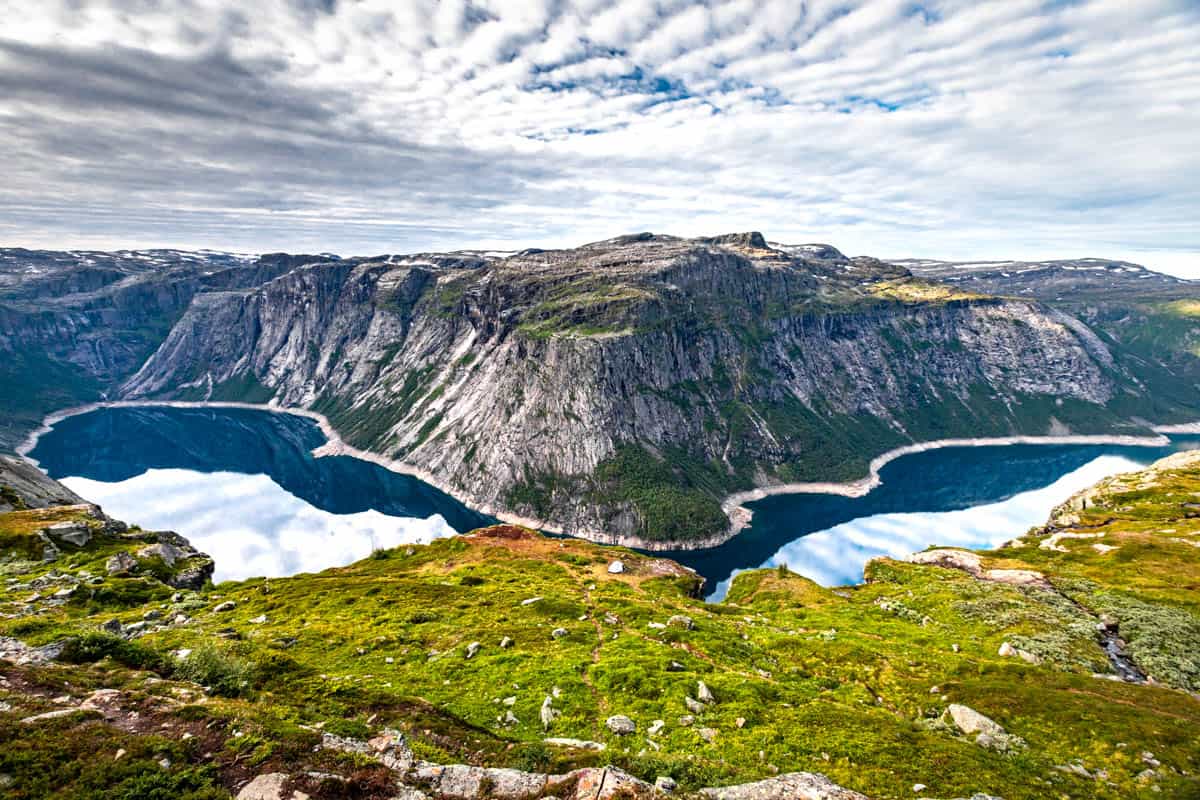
<point>620,390</point>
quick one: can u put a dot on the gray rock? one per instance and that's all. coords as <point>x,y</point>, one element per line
<point>616,567</point>
<point>792,786</point>
<point>969,721</point>
<point>694,706</point>
<point>113,626</point>
<point>703,693</point>
<point>506,642</point>
<point>121,565</point>
<point>665,784</point>
<point>463,782</point>
<point>392,750</point>
<point>988,733</point>
<point>621,725</point>
<point>193,574</point>
<point>165,551</point>
<point>608,783</point>
<point>547,713</point>
<point>578,744</point>
<point>269,786</point>
<point>72,532</point>
<point>682,621</point>
<point>227,605</point>
<point>558,633</point>
<point>708,734</point>
<point>473,649</point>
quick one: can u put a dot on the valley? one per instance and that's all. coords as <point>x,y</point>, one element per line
<point>621,391</point>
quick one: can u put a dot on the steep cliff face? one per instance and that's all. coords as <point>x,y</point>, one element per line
<point>73,325</point>
<point>620,390</point>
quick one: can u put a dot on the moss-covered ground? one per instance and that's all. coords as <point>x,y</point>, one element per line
<point>848,682</point>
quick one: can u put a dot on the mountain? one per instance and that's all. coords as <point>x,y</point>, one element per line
<point>73,325</point>
<point>507,665</point>
<point>1149,321</point>
<point>622,390</point>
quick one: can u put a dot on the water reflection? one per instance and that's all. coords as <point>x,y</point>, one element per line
<point>244,487</point>
<point>836,556</point>
<point>250,525</point>
<point>829,537</point>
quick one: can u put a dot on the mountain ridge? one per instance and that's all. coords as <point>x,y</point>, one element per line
<point>623,389</point>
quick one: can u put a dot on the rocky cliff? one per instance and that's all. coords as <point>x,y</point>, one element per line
<point>74,325</point>
<point>620,390</point>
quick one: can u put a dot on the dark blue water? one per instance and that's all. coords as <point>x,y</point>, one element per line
<point>193,470</point>
<point>115,444</point>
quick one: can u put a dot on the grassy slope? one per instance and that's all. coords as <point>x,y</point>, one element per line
<point>835,682</point>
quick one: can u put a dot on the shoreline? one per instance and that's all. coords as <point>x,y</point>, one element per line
<point>733,505</point>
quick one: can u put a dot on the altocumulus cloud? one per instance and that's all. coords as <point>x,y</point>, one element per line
<point>949,128</point>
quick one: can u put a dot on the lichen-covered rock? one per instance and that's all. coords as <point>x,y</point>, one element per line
<point>74,533</point>
<point>792,786</point>
<point>621,725</point>
<point>987,732</point>
<point>270,786</point>
<point>121,565</point>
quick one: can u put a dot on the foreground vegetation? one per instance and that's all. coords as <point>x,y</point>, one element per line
<point>460,643</point>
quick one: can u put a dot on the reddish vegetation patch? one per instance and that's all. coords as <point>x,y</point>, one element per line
<point>506,532</point>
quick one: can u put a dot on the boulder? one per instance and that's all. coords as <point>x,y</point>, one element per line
<point>473,649</point>
<point>969,721</point>
<point>168,553</point>
<point>464,782</point>
<point>694,706</point>
<point>228,605</point>
<point>121,565</point>
<point>194,573</point>
<point>682,621</point>
<point>392,750</point>
<point>607,783</point>
<point>621,725</point>
<point>988,733</point>
<point>547,713</point>
<point>792,786</point>
<point>703,694</point>
<point>269,786</point>
<point>665,784</point>
<point>616,567</point>
<point>949,559</point>
<point>72,532</point>
<point>578,744</point>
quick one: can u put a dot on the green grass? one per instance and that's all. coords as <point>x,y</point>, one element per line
<point>838,683</point>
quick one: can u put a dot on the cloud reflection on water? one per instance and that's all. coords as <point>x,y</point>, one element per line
<point>836,556</point>
<point>249,524</point>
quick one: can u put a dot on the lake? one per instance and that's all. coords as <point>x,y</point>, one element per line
<point>243,486</point>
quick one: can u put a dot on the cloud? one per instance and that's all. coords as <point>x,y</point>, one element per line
<point>836,556</point>
<point>276,534</point>
<point>952,129</point>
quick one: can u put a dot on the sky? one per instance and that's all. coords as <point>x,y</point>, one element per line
<point>953,129</point>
